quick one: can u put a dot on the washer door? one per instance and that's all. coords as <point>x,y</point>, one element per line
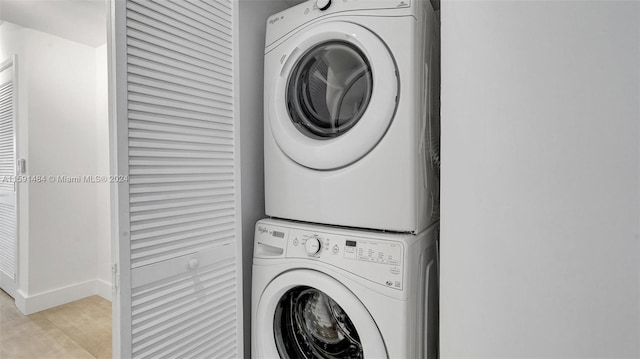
<point>334,97</point>
<point>304,314</point>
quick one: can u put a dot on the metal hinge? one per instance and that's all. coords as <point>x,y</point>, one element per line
<point>115,278</point>
<point>21,166</point>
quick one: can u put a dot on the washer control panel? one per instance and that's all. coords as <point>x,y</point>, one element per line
<point>378,260</point>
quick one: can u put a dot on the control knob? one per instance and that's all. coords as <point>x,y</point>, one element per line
<point>312,245</point>
<point>323,4</point>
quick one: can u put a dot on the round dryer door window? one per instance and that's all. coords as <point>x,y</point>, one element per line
<point>329,89</point>
<point>334,97</point>
<point>310,324</point>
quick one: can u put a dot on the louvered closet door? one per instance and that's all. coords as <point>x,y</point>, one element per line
<point>180,294</point>
<point>8,238</point>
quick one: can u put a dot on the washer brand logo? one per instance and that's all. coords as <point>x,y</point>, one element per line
<point>275,19</point>
<point>262,230</point>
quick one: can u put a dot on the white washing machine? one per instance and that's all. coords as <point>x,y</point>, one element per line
<point>352,122</point>
<point>322,292</point>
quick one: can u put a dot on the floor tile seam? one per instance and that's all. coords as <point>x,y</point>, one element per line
<point>68,335</point>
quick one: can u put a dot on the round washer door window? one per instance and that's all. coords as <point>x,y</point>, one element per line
<point>309,324</point>
<point>294,320</point>
<point>329,89</point>
<point>333,94</point>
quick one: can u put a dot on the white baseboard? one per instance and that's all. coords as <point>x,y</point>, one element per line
<point>104,289</point>
<point>29,304</point>
<point>21,302</point>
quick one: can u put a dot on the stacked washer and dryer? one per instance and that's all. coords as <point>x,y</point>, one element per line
<point>346,265</point>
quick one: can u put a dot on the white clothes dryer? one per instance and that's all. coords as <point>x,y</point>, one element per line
<point>352,123</point>
<point>321,292</point>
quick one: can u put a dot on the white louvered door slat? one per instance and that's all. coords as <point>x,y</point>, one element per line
<point>178,217</point>
<point>8,236</point>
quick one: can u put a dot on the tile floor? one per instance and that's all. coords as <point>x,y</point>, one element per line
<point>80,329</point>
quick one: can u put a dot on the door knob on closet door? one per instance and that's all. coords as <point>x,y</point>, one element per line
<point>194,263</point>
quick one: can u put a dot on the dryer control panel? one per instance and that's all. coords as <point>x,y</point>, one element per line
<point>284,22</point>
<point>378,260</point>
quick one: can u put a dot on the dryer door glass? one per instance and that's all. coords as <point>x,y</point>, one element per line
<point>309,324</point>
<point>329,89</point>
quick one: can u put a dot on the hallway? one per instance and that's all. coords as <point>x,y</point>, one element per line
<point>80,329</point>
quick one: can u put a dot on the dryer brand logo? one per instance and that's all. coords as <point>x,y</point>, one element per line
<point>262,230</point>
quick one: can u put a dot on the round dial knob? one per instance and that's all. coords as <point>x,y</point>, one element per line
<point>312,245</point>
<point>323,4</point>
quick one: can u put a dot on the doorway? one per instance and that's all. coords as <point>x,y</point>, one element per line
<point>61,216</point>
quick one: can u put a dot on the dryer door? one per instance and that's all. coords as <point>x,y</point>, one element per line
<point>304,314</point>
<point>334,96</point>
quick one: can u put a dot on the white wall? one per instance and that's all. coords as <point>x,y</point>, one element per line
<point>103,228</point>
<point>62,130</point>
<point>540,253</point>
<point>62,241</point>
<point>252,24</point>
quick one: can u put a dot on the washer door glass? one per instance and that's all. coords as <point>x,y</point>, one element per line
<point>309,324</point>
<point>329,89</point>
